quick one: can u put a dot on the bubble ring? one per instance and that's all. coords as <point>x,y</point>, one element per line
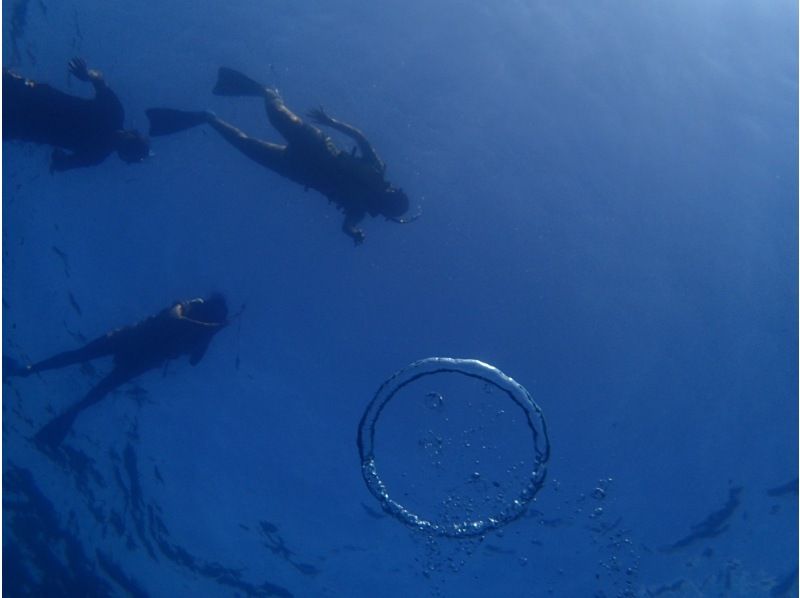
<point>474,369</point>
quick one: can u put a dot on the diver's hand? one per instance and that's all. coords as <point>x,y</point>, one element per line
<point>319,116</point>
<point>78,67</point>
<point>358,236</point>
<point>350,226</point>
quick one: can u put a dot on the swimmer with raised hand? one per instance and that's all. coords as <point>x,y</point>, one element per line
<point>90,129</point>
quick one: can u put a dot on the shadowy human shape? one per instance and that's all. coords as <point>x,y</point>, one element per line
<point>354,181</point>
<point>90,129</point>
<point>185,328</point>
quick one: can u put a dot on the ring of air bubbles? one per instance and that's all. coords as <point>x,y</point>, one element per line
<point>512,505</point>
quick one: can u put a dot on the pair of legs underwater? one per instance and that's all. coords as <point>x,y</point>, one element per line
<point>54,432</point>
<point>184,328</point>
<point>355,183</point>
<point>164,121</point>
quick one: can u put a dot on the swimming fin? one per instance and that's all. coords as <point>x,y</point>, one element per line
<point>56,430</point>
<point>164,121</point>
<point>234,83</point>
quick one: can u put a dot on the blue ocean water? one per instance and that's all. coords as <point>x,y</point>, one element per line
<point>609,215</point>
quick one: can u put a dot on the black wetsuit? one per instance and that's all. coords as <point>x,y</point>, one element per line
<point>39,113</point>
<point>147,344</point>
<point>354,183</point>
<point>311,159</point>
<point>136,349</point>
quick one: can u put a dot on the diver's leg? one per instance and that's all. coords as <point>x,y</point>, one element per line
<point>99,347</point>
<point>284,120</point>
<point>289,125</point>
<point>266,154</point>
<point>54,432</point>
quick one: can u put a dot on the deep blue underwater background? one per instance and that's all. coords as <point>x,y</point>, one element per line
<point>609,196</point>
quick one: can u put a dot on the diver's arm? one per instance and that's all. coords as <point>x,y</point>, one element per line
<point>103,93</point>
<point>204,324</point>
<point>178,311</point>
<point>80,70</point>
<point>187,326</point>
<point>319,116</point>
<point>61,160</point>
<point>350,228</point>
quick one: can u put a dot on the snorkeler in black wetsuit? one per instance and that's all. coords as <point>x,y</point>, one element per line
<point>356,184</point>
<point>90,128</point>
<point>185,328</point>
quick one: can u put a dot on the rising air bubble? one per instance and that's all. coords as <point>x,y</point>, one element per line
<point>457,516</point>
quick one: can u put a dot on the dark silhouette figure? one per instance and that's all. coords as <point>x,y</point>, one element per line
<point>185,328</point>
<point>355,183</point>
<point>90,129</point>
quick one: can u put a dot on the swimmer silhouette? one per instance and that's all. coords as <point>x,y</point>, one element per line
<point>185,328</point>
<point>89,128</point>
<point>355,183</point>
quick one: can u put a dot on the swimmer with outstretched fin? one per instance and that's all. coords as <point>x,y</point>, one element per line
<point>355,183</point>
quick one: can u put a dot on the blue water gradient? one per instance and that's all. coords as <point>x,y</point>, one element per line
<point>609,215</point>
